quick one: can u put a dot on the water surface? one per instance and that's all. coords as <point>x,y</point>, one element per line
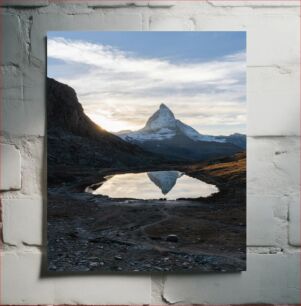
<point>170,185</point>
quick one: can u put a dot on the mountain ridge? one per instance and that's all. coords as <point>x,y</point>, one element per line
<point>164,125</point>
<point>163,133</point>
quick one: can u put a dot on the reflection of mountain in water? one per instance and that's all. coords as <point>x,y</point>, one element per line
<point>152,185</point>
<point>165,180</point>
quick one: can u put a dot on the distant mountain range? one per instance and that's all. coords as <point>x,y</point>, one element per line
<point>166,135</point>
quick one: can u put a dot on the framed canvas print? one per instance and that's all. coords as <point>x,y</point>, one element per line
<point>146,151</point>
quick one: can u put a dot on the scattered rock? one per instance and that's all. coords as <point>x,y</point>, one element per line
<point>52,267</point>
<point>155,238</point>
<point>158,269</point>
<point>73,235</point>
<point>95,240</point>
<point>172,238</point>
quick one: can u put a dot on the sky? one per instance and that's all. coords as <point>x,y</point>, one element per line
<point>121,78</point>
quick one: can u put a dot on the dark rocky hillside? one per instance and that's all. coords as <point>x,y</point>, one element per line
<point>65,112</point>
<point>76,141</point>
<point>184,149</point>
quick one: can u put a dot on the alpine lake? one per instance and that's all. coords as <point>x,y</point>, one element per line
<point>155,185</point>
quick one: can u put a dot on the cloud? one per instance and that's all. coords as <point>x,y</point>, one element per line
<point>124,88</point>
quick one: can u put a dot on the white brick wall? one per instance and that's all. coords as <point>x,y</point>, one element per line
<point>23,222</point>
<point>273,44</point>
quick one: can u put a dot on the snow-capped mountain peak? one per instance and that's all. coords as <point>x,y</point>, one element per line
<point>163,125</point>
<point>162,118</point>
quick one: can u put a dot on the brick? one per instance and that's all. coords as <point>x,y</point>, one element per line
<point>24,3</point>
<point>11,84</point>
<point>23,221</point>
<point>10,167</point>
<point>277,89</point>
<point>23,101</point>
<point>170,23</point>
<point>162,3</point>
<point>12,45</point>
<point>250,3</point>
<point>122,22</point>
<point>273,165</point>
<point>157,284</point>
<point>261,223</point>
<point>33,152</point>
<point>34,101</point>
<point>274,40</point>
<point>267,221</point>
<point>209,18</point>
<point>23,284</point>
<point>115,3</point>
<point>126,3</point>
<point>294,220</point>
<point>268,279</point>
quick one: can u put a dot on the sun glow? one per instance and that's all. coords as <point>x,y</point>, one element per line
<point>112,125</point>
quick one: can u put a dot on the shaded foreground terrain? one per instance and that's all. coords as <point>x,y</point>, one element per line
<point>95,233</point>
<point>88,232</point>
